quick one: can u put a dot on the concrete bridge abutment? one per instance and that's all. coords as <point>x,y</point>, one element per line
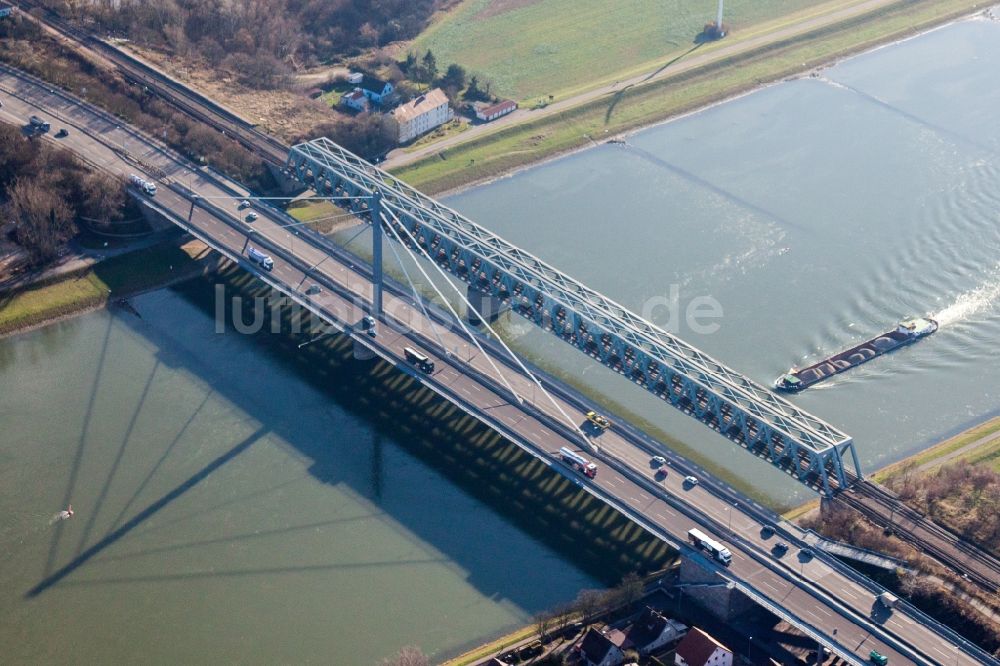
<point>715,594</point>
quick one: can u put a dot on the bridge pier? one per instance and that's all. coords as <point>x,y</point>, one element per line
<point>361,352</point>
<point>288,185</point>
<point>484,307</point>
<point>709,590</point>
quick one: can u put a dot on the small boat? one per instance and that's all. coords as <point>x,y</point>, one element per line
<point>907,332</point>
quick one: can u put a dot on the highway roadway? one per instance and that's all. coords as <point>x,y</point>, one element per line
<point>831,604</point>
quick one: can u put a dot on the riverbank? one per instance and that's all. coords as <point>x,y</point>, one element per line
<point>496,154</point>
<point>91,288</point>
<point>978,444</point>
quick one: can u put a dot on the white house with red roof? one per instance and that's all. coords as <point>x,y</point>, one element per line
<point>700,649</point>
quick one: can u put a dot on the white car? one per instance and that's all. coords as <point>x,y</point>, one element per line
<point>251,216</point>
<point>244,204</point>
<point>690,481</point>
<point>658,461</point>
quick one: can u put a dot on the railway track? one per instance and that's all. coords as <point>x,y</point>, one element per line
<point>886,509</point>
<point>871,500</point>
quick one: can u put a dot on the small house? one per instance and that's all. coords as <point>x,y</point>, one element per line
<point>355,100</point>
<point>700,649</point>
<point>376,90</point>
<point>6,10</point>
<point>652,631</point>
<point>488,112</point>
<point>355,78</point>
<point>602,649</point>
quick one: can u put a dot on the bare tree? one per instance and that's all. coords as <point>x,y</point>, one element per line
<point>543,623</point>
<point>103,197</point>
<point>43,219</point>
<point>589,603</point>
<point>630,590</point>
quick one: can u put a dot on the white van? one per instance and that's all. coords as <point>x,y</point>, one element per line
<point>258,257</point>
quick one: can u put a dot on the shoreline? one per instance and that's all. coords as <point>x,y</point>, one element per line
<point>52,301</point>
<point>961,444</point>
<point>932,456</point>
<point>456,180</point>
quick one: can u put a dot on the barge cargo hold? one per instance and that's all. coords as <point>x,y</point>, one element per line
<point>906,333</point>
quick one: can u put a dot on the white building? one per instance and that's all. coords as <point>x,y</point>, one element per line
<point>652,631</point>
<point>598,649</point>
<point>700,649</point>
<point>421,115</point>
<point>488,112</point>
<point>355,100</point>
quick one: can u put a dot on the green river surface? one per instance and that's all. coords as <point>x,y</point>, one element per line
<point>226,511</point>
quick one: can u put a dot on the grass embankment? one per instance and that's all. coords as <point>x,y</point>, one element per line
<point>112,278</point>
<point>987,451</point>
<point>531,49</point>
<point>500,152</point>
<point>498,645</point>
<point>542,502</point>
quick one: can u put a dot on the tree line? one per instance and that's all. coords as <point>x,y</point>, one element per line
<point>46,190</point>
<point>25,46</point>
<point>257,39</point>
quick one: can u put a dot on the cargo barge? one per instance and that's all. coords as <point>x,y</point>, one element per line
<point>906,333</point>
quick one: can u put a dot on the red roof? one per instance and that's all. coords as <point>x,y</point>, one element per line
<point>697,647</point>
<point>499,107</point>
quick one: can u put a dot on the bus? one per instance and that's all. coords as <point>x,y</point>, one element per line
<point>418,359</point>
<point>701,540</point>
<point>578,462</point>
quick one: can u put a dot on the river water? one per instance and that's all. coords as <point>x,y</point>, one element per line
<point>228,512</point>
<point>816,213</point>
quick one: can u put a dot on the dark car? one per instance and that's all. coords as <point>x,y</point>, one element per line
<point>767,532</point>
<point>62,132</point>
<point>780,549</point>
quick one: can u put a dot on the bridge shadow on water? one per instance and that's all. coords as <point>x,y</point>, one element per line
<point>397,412</point>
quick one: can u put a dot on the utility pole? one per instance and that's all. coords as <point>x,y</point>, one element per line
<point>376,211</point>
<point>718,22</point>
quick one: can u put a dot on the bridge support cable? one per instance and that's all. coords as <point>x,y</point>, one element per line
<point>458,318</point>
<point>417,298</point>
<point>376,208</point>
<point>527,372</point>
<point>754,417</point>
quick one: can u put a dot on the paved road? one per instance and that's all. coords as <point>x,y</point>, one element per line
<point>834,605</point>
<point>820,17</point>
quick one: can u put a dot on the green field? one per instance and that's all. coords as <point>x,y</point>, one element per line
<point>491,155</point>
<point>535,48</point>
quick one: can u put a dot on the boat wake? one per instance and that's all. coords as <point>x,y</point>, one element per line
<point>971,302</point>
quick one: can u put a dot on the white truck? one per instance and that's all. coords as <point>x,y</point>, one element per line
<point>704,542</point>
<point>261,259</point>
<point>142,184</point>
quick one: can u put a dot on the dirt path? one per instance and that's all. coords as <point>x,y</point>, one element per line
<point>687,61</point>
<point>937,462</point>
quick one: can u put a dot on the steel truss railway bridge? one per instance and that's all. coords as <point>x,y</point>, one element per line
<point>500,275</point>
